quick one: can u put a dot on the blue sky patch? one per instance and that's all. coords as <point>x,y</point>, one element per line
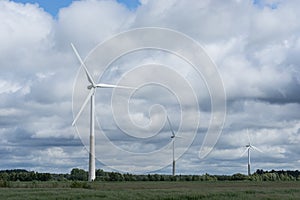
<point>54,6</point>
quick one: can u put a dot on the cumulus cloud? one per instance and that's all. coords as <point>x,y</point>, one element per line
<point>86,23</point>
<point>255,45</point>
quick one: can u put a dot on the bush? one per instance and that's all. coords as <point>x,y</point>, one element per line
<point>77,184</point>
<point>239,177</point>
<point>5,183</point>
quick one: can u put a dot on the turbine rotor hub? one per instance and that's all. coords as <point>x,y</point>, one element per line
<point>90,87</point>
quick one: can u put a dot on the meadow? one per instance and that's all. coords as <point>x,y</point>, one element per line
<point>161,190</point>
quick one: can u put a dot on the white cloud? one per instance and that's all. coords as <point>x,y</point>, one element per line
<point>255,47</point>
<point>7,87</point>
<point>86,23</point>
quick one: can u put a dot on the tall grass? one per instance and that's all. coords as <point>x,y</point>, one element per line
<point>151,190</point>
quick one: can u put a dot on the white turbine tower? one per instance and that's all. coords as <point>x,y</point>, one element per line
<point>91,97</point>
<point>249,146</point>
<point>173,144</point>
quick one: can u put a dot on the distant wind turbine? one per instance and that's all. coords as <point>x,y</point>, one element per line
<point>249,146</point>
<point>173,144</point>
<point>91,97</point>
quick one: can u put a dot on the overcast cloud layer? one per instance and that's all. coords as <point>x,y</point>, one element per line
<point>256,46</point>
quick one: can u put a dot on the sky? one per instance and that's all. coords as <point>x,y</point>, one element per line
<point>254,46</point>
<point>53,7</point>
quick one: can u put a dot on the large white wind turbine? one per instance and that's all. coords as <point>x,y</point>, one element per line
<point>91,97</point>
<point>249,146</point>
<point>173,144</point>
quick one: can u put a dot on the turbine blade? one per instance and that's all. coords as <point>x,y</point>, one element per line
<point>249,139</point>
<point>257,149</point>
<point>104,85</point>
<point>176,136</point>
<point>170,125</point>
<point>83,105</point>
<point>244,151</point>
<point>89,77</point>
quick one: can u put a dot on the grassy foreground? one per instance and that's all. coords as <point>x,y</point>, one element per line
<point>152,190</point>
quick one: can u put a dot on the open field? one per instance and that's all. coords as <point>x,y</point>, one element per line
<point>152,190</point>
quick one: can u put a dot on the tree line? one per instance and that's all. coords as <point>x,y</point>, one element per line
<point>101,175</point>
<point>23,175</point>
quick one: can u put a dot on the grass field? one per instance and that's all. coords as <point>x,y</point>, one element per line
<point>152,190</point>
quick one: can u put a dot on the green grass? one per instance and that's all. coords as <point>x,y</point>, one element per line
<point>151,190</point>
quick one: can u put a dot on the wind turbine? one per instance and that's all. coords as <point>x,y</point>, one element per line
<point>173,144</point>
<point>91,96</point>
<point>249,146</point>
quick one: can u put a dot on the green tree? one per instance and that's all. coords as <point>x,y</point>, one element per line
<point>4,176</point>
<point>79,175</point>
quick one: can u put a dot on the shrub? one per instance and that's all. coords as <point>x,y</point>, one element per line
<point>5,183</point>
<point>77,184</point>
